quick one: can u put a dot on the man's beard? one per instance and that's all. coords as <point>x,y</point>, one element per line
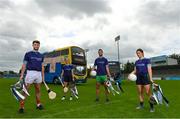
<point>101,55</point>
<point>36,49</point>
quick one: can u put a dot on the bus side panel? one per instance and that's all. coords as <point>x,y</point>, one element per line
<point>50,76</point>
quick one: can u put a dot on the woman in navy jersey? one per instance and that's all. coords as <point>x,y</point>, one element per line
<point>144,80</point>
<point>67,74</point>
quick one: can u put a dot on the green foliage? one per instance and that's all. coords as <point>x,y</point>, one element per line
<point>175,56</point>
<point>128,67</point>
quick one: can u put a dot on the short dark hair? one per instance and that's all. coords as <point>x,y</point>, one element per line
<point>36,41</point>
<point>100,49</point>
<point>140,50</point>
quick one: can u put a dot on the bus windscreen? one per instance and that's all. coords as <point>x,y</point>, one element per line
<point>78,56</point>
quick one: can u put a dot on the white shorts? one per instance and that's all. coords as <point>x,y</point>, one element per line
<point>33,77</point>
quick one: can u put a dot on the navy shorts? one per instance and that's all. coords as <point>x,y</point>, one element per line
<point>68,78</point>
<point>142,80</point>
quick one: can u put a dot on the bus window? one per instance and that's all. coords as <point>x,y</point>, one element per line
<point>78,56</point>
<point>56,53</point>
<point>51,54</point>
<point>65,52</point>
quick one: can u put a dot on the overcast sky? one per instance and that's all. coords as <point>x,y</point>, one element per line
<point>153,25</point>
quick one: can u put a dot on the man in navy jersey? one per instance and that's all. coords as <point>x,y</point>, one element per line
<point>143,72</point>
<point>102,69</point>
<point>67,74</point>
<point>35,73</point>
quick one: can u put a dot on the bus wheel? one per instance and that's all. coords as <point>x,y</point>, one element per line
<point>56,80</point>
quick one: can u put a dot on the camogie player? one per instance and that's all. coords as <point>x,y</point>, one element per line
<point>67,74</point>
<point>143,72</point>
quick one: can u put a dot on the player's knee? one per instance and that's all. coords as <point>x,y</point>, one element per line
<point>140,92</point>
<point>97,86</point>
<point>37,90</point>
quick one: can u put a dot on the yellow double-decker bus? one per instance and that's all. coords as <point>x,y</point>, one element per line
<point>55,60</point>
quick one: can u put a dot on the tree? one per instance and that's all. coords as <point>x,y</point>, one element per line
<point>175,56</point>
<point>1,73</point>
<point>12,72</point>
<point>128,67</point>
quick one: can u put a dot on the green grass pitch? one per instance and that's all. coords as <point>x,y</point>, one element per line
<point>120,106</point>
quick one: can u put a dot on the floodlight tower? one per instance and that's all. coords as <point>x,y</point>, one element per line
<point>117,39</point>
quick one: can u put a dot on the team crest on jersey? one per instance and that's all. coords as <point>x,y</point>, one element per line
<point>141,65</point>
<point>37,58</point>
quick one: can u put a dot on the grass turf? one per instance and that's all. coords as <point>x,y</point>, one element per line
<point>120,106</point>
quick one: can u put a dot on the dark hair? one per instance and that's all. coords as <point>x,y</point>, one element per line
<point>140,50</point>
<point>36,41</point>
<point>100,50</point>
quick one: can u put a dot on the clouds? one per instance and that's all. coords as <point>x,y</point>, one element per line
<point>5,4</point>
<point>152,25</point>
<point>73,8</point>
<point>22,21</point>
<point>159,21</point>
<point>10,54</point>
<point>15,23</point>
<point>17,31</point>
<point>164,13</point>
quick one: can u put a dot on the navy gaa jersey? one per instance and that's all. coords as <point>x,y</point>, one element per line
<point>67,68</point>
<point>101,63</point>
<point>141,66</point>
<point>33,60</point>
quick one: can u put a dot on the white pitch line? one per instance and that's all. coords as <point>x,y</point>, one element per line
<point>81,108</point>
